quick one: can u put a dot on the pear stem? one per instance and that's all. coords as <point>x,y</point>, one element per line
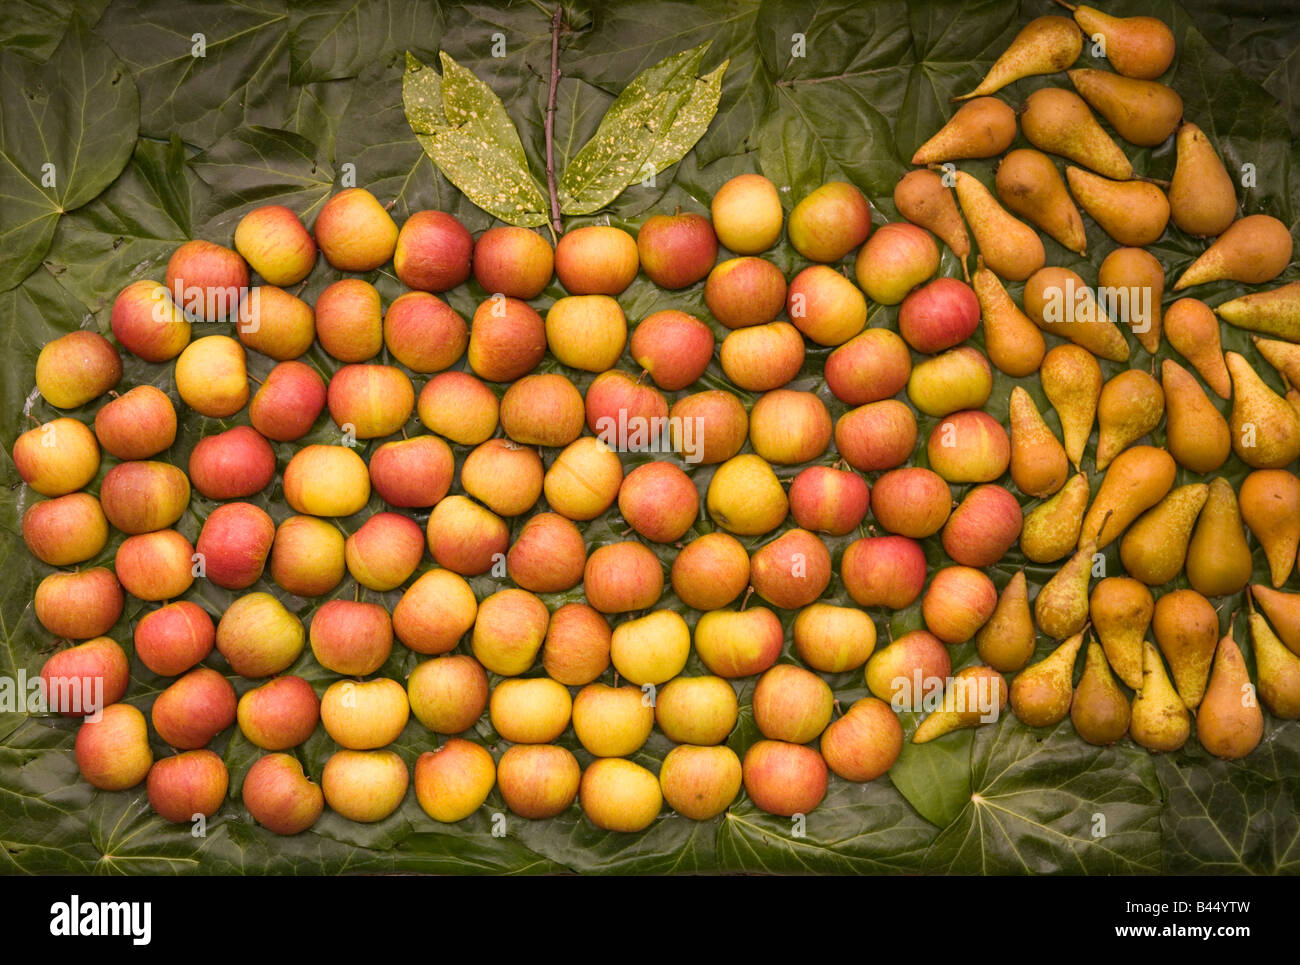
<point>556,227</point>
<point>1067,6</point>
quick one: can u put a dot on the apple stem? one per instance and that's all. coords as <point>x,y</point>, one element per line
<point>556,228</point>
<point>256,379</point>
<point>745,602</point>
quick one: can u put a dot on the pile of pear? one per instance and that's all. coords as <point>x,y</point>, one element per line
<point>1174,520</point>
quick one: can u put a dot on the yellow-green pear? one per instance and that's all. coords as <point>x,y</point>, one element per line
<point>1229,723</point>
<point>1143,112</point>
<point>1131,405</point>
<point>1061,303</point>
<point>1270,505</point>
<point>1058,121</point>
<point>1006,642</point>
<point>974,696</point>
<point>1061,607</point>
<point>1283,356</point>
<point>1013,343</point>
<point>1140,47</point>
<point>1051,529</point>
<point>1202,200</point>
<point>923,199</point>
<point>1039,466</point>
<point>1072,382</point>
<point>1160,721</point>
<point>1136,480</point>
<point>1010,248</point>
<point>1186,627</point>
<point>1134,213</point>
<point>1121,608</point>
<point>1193,331</point>
<point>1028,183</point>
<point>1265,426</point>
<point>1154,548</point>
<point>1040,694</point>
<point>1196,433</point>
<point>1045,45</point>
<point>1283,612</point>
<point>983,127</point>
<point>1277,668</point>
<point>1099,711</point>
<point>1218,557</point>
<point>1253,250</point>
<point>1273,312</point>
<point>1135,282</point>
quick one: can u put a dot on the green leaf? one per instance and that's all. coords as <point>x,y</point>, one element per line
<point>35,27</point>
<point>67,131</point>
<point>935,776</point>
<point>340,38</point>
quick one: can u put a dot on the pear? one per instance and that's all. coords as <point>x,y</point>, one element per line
<point>1277,668</point>
<point>1011,249</point>
<point>1040,694</point>
<point>1253,250</point>
<point>1143,112</point>
<point>1154,548</point>
<point>1218,558</point>
<point>1229,723</point>
<point>922,199</point>
<point>1283,356</point>
<point>1028,183</point>
<point>1071,380</point>
<point>1100,712</point>
<point>1270,505</point>
<point>1265,426</point>
<point>1013,343</point>
<point>1202,200</point>
<point>1006,642</point>
<point>1045,45</point>
<point>1061,607</point>
<point>1120,608</point>
<point>1196,433</point>
<point>1186,627</point>
<point>1039,466</point>
<point>1131,405</point>
<point>1193,331</point>
<point>1283,611</point>
<point>1274,312</point>
<point>1134,213</point>
<point>983,127</point>
<point>1058,121</point>
<point>1141,47</point>
<point>1059,302</point>
<point>1134,283</point>
<point>1136,480</point>
<point>974,696</point>
<point>1159,720</point>
<point>1051,529</point>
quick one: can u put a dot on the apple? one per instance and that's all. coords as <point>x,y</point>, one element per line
<point>326,481</point>
<point>364,786</point>
<point>896,259</point>
<point>708,427</point>
<point>355,232</point>
<point>233,464</point>
<point>676,250</point>
<point>742,292</point>
<point>869,367</point>
<point>275,244</point>
<point>84,679</point>
<point>65,530</point>
<point>435,612</point>
<point>509,631</point>
<point>625,413</point>
<point>675,348</point>
<point>745,497</point>
<point>448,694</point>
<point>57,457</point>
<point>788,427</point>
<point>542,410</point>
<point>747,214</point>
<point>137,424</point>
<point>792,570</point>
<point>385,551</point>
<point>960,378</point>
<point>433,252</point>
<point>234,543</point>
<point>307,556</point>
<point>833,639</point>
<point>155,566</point>
<point>113,752</point>
<point>454,781</point>
<point>174,638</point>
<point>275,323</point>
<point>466,538</point>
<point>140,497</point>
<point>983,528</point>
<point>458,407</point>
<point>697,710</point>
<point>792,704</point>
<point>538,780</point>
<point>211,376</point>
<point>412,473</point>
<point>576,650</point>
<point>513,261</point>
<point>280,714</point>
<point>287,403</point>
<point>864,743</point>
<point>617,795</point>
<point>828,500</point>
<point>826,306</point>
<point>710,572</point>
<point>194,709</point>
<point>785,779</point>
<point>187,786</point>
<point>886,571</point>
<point>740,643</point>
<point>77,368</point>
<point>969,446</point>
<point>258,636</point>
<point>372,400</point>
<point>584,479</point>
<point>206,280</point>
<point>80,605</point>
<point>875,436</point>
<point>587,332</point>
<point>548,555</point>
<point>279,796</point>
<point>424,333</point>
<point>959,601</point>
<point>612,721</point>
<point>622,577</point>
<point>148,323</point>
<point>939,315</point>
<point>651,649</point>
<point>507,339</point>
<point>349,320</point>
<point>365,715</point>
<point>350,637</point>
<point>911,501</point>
<point>700,782</point>
<point>830,222</point>
<point>532,710</point>
<point>659,501</point>
<point>596,260</point>
<point>905,671</point>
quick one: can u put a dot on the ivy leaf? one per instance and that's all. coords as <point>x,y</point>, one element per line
<point>463,126</point>
<point>934,777</point>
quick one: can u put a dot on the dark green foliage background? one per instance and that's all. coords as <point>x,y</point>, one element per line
<point>154,146</point>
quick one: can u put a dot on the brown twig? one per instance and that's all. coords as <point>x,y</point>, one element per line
<point>550,121</point>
